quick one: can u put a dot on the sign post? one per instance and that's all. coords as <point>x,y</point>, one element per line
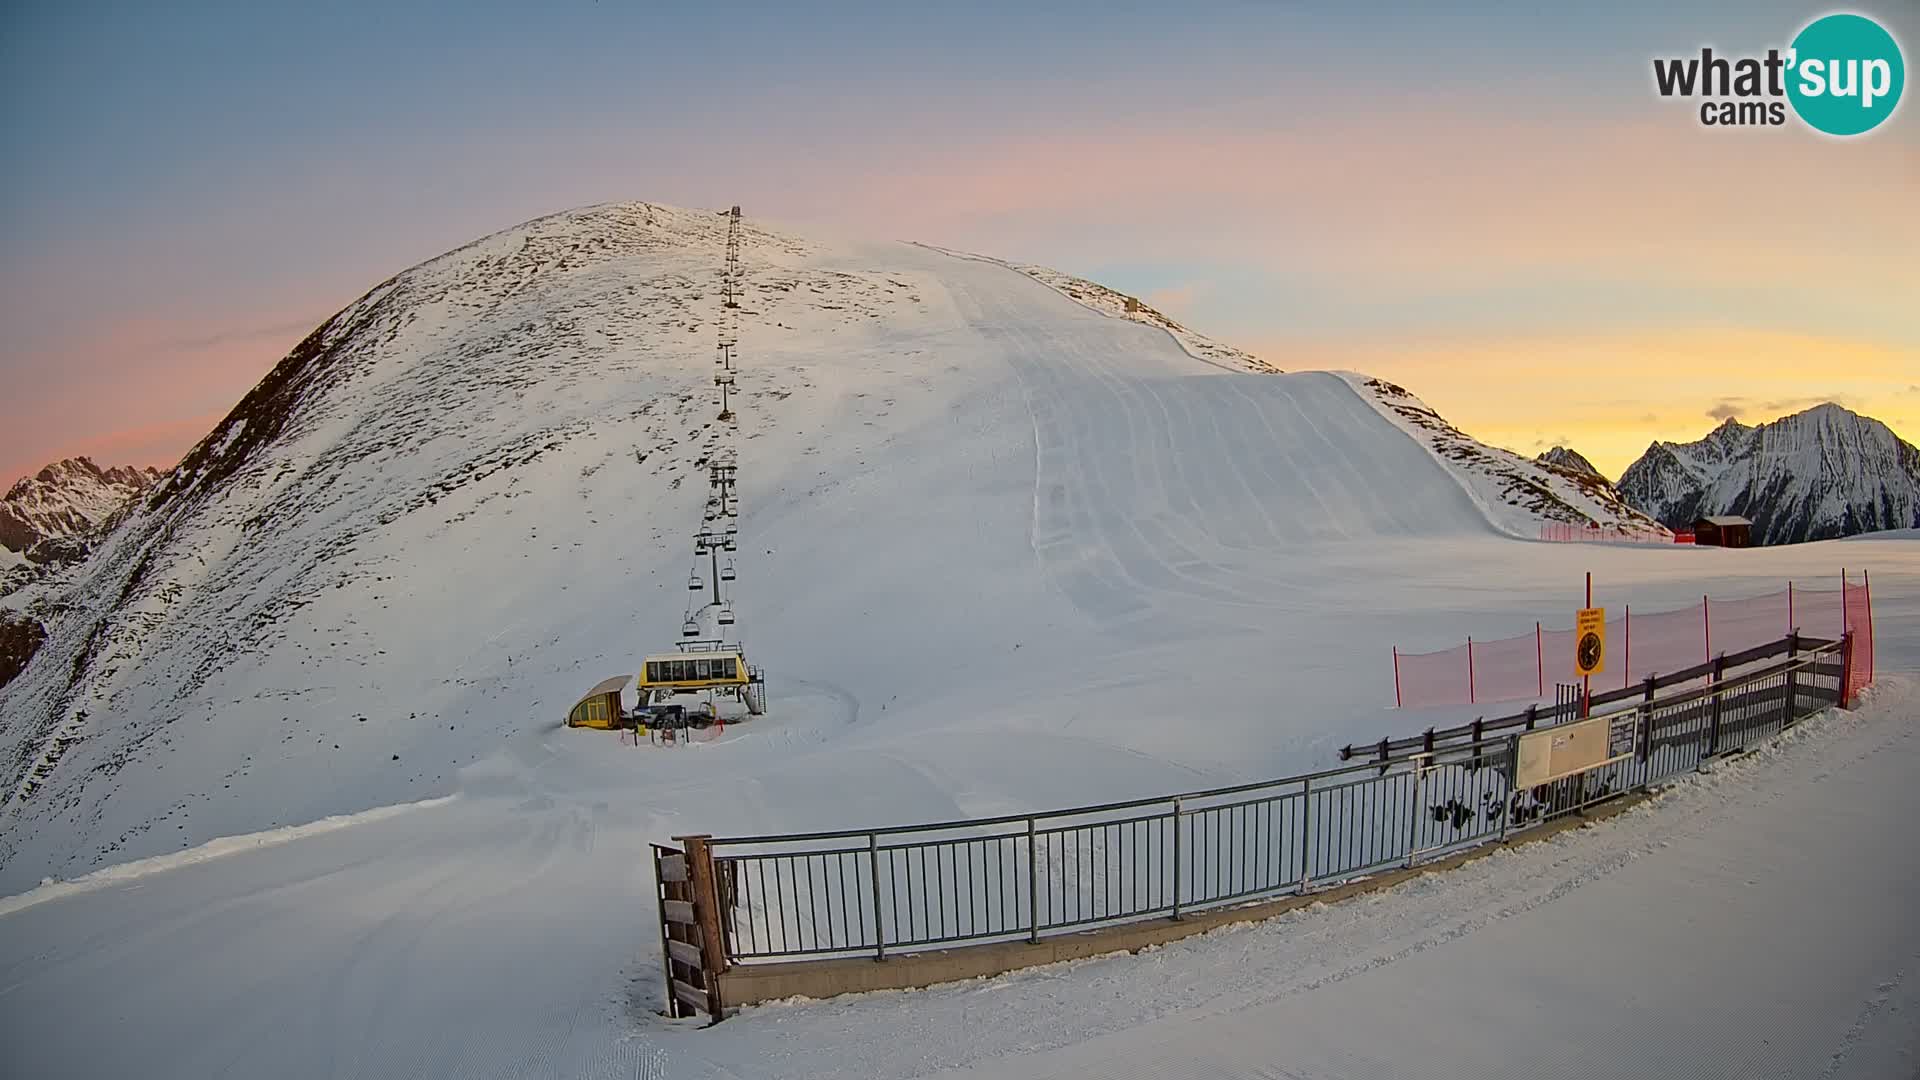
<point>1589,647</point>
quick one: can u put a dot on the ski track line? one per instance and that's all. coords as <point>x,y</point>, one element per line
<point>1869,1012</point>
<point>217,848</point>
<point>1152,566</point>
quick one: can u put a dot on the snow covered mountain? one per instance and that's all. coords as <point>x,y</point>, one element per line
<point>1515,493</point>
<point>469,496</point>
<point>1569,459</point>
<point>1121,306</point>
<point>1817,474</point>
<point>67,498</point>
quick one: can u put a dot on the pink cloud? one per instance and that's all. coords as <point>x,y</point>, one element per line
<point>140,391</point>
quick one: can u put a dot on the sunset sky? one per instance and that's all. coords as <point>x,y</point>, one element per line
<point>1489,205</point>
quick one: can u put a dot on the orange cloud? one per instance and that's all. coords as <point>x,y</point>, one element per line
<point>1612,394</point>
<point>1400,191</point>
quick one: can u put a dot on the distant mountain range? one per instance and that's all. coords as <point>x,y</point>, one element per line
<point>67,499</point>
<point>1814,475</point>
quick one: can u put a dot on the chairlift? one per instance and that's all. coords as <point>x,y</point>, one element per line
<point>690,629</point>
<point>694,584</point>
<point>723,615</point>
<point>723,379</point>
<point>726,572</point>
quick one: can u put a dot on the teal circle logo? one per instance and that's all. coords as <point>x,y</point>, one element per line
<point>1845,74</point>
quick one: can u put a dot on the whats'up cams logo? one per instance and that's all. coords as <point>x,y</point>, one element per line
<point>1842,75</point>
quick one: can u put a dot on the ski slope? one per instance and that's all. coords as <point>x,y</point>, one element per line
<point>479,500</point>
<point>1000,551</point>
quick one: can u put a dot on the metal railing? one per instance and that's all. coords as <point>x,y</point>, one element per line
<point>878,891</point>
<point>1532,716</point>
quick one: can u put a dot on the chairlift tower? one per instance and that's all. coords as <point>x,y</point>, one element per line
<point>704,627</point>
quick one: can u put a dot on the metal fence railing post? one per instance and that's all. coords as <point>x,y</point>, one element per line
<point>873,871</point>
<point>1176,858</point>
<point>1793,683</point>
<point>1513,774</point>
<point>1033,886</point>
<point>1713,730</point>
<point>1306,834</point>
<point>1413,807</point>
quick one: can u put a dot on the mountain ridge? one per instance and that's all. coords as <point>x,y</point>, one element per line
<point>67,498</point>
<point>1817,474</point>
<point>1563,457</point>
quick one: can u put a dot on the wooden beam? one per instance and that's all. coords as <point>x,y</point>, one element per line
<point>685,953</point>
<point>692,995</point>
<point>706,905</point>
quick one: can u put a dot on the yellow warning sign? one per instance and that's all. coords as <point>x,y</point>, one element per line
<point>1590,641</point>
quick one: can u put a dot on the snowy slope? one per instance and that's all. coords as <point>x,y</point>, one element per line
<point>1515,493</point>
<point>490,937</point>
<point>1817,474</point>
<point>1000,551</point>
<point>468,496</point>
<point>1121,306</point>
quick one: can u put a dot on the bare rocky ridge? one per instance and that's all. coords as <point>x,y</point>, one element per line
<point>1503,481</point>
<point>1561,457</point>
<point>67,499</point>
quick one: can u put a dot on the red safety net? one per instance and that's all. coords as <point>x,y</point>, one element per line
<point>1639,645</point>
<point>1857,603</point>
<point>1594,533</point>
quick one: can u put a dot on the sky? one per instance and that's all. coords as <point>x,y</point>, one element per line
<point>1487,203</point>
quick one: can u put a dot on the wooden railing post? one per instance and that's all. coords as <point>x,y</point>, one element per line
<point>706,910</point>
<point>674,1008</point>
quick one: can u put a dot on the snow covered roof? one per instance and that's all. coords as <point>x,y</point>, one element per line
<point>1724,520</point>
<point>605,686</point>
<point>694,654</point>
